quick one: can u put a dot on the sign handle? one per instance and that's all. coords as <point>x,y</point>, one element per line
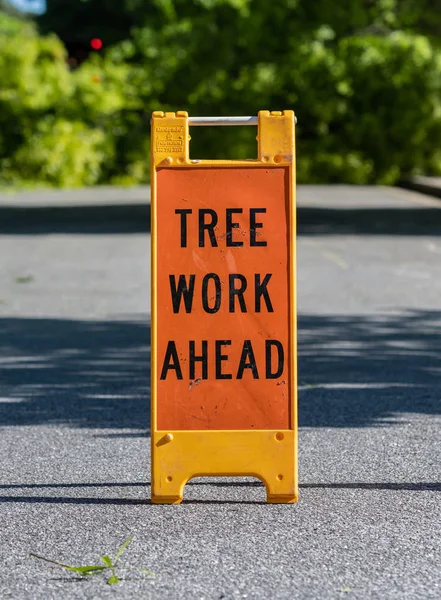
<point>225,121</point>
<point>203,121</point>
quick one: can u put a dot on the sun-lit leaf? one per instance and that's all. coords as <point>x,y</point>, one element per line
<point>83,570</point>
<point>106,560</point>
<point>86,570</point>
<point>122,548</point>
<point>113,580</point>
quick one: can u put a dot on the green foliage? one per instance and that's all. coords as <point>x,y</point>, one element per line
<point>89,570</point>
<point>61,153</point>
<point>363,77</point>
<point>367,97</point>
<point>59,127</point>
<point>393,114</point>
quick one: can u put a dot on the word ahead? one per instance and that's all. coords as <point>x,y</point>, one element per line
<point>272,368</point>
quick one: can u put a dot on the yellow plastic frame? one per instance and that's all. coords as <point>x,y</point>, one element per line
<point>178,456</point>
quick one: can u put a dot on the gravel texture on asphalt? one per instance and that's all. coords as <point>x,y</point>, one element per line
<point>74,418</point>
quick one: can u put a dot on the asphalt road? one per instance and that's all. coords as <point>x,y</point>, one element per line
<point>74,447</point>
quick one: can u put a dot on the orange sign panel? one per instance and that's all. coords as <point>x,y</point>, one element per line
<point>223,311</point>
<point>223,293</point>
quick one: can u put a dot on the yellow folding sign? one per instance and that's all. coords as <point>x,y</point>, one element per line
<point>224,381</point>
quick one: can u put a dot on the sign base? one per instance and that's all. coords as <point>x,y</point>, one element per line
<point>181,455</point>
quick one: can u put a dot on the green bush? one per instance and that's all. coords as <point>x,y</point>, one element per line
<point>34,78</point>
<point>62,153</point>
<point>58,127</point>
<point>383,116</point>
<point>364,79</point>
<point>367,97</point>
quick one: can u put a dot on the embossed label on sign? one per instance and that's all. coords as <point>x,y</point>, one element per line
<point>169,139</point>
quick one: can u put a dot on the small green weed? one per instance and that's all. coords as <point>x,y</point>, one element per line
<point>90,570</point>
<point>26,279</point>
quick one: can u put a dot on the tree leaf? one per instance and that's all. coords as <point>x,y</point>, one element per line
<point>106,560</point>
<point>113,580</point>
<point>123,547</point>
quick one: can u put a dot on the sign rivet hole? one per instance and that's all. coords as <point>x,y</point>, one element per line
<point>169,160</point>
<point>169,478</point>
<point>280,477</point>
<point>277,158</point>
<point>279,436</point>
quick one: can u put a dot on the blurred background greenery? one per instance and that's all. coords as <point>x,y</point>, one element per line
<point>78,85</point>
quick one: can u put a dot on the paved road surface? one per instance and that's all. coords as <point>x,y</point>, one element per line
<point>74,358</point>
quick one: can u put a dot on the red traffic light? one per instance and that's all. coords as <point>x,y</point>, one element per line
<point>96,44</point>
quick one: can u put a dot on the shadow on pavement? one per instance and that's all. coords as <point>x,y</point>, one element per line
<point>136,219</point>
<point>68,500</point>
<point>100,500</point>
<point>369,221</point>
<point>116,219</point>
<point>354,371</point>
<point>419,486</point>
<point>228,483</point>
<point>77,373</point>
